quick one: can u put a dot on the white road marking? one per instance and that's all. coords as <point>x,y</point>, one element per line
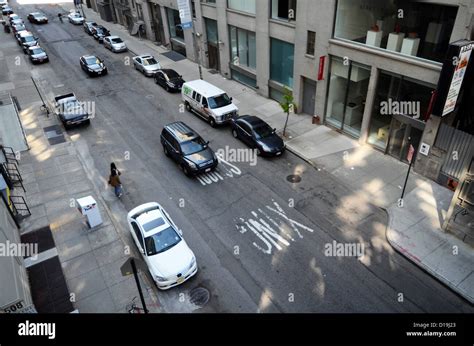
<point>224,170</point>
<point>270,229</point>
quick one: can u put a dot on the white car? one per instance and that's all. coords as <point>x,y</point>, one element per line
<point>147,64</point>
<point>115,44</point>
<point>3,2</point>
<point>169,259</point>
<point>75,18</point>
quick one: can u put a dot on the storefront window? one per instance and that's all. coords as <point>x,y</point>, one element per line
<point>407,27</point>
<point>397,96</point>
<point>174,23</point>
<point>243,48</point>
<point>348,87</point>
<point>282,62</point>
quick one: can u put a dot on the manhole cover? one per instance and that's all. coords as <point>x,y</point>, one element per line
<point>293,178</point>
<point>199,296</point>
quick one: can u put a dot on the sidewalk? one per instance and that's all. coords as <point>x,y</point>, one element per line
<point>414,230</point>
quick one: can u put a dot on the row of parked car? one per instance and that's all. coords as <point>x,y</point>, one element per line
<point>26,39</point>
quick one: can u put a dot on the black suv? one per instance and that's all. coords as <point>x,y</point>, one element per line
<point>188,149</point>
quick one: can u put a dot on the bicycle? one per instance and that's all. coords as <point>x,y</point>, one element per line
<point>133,308</point>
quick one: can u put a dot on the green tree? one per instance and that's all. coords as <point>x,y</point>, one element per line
<point>288,105</point>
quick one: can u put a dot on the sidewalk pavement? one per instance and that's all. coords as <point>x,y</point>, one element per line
<point>414,230</point>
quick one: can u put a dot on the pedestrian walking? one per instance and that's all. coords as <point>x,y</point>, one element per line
<point>114,180</point>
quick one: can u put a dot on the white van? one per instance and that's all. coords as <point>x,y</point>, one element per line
<point>208,101</point>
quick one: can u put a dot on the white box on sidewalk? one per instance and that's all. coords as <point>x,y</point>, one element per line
<point>88,207</point>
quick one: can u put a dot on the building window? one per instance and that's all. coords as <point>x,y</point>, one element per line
<point>418,29</point>
<point>193,8</point>
<point>348,86</point>
<point>310,43</point>
<point>209,2</point>
<point>243,47</point>
<point>211,30</point>
<point>174,23</point>
<point>282,62</point>
<point>284,9</point>
<point>397,95</point>
<point>242,5</point>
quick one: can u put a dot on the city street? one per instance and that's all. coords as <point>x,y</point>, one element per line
<point>224,214</point>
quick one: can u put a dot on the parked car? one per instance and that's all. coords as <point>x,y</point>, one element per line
<point>257,134</point>
<point>147,64</point>
<point>18,27</point>
<point>165,252</point>
<point>70,111</point>
<point>3,2</point>
<point>28,40</point>
<point>75,18</point>
<point>93,65</point>
<point>7,10</point>
<point>188,149</point>
<point>12,17</point>
<point>115,44</point>
<point>88,25</point>
<point>20,34</point>
<point>99,32</point>
<point>169,79</point>
<point>37,55</point>
<point>37,18</point>
<point>208,102</point>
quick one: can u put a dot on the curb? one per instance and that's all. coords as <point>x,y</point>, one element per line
<point>422,266</point>
<point>302,157</point>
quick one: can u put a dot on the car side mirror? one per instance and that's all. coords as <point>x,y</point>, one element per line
<point>231,98</point>
<point>142,251</point>
<point>180,232</point>
<point>274,130</point>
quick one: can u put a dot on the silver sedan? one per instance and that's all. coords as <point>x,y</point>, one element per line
<point>147,64</point>
<point>115,44</point>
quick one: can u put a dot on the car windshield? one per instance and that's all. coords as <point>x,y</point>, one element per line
<point>161,241</point>
<point>263,131</point>
<point>193,146</point>
<point>37,51</point>
<point>149,61</point>
<point>219,101</point>
<point>28,38</point>
<point>92,61</point>
<point>76,15</point>
<point>20,27</point>
<point>171,74</point>
<point>116,40</point>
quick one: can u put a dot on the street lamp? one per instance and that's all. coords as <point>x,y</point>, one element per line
<point>196,48</point>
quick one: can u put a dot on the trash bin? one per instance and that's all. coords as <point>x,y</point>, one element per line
<point>88,207</point>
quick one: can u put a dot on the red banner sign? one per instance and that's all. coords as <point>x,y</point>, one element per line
<point>322,60</point>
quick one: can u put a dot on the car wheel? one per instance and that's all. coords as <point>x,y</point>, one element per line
<point>165,150</point>
<point>167,88</point>
<point>185,170</point>
<point>234,133</point>
<point>212,122</point>
<point>156,80</point>
<point>188,106</point>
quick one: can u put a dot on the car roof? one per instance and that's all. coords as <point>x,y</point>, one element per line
<point>251,119</point>
<point>35,47</point>
<point>25,33</point>
<point>113,36</point>
<point>167,70</point>
<point>88,56</point>
<point>204,88</point>
<point>37,13</point>
<point>151,215</point>
<point>181,131</point>
<point>145,56</point>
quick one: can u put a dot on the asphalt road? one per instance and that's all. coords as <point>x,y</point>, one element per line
<point>286,270</point>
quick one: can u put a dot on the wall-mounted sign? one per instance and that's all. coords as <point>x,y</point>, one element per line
<point>424,149</point>
<point>185,14</point>
<point>322,60</point>
<point>452,77</point>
